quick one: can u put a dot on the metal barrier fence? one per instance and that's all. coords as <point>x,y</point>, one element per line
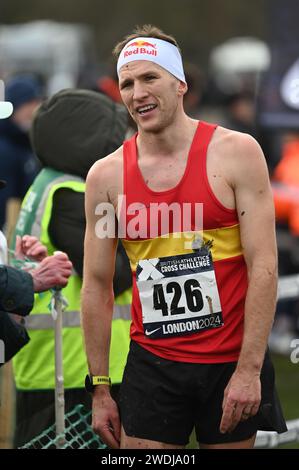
<point>266,439</point>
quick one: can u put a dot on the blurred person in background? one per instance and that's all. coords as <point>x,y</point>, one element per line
<point>278,117</point>
<point>108,84</point>
<point>240,112</point>
<point>18,164</point>
<point>285,186</point>
<point>71,130</point>
<point>193,96</point>
<point>285,183</point>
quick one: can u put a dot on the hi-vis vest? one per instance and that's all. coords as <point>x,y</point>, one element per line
<point>34,365</point>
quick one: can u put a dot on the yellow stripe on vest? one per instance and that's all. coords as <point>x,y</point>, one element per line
<point>226,244</point>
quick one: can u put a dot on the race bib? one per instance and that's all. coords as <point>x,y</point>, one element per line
<point>178,295</point>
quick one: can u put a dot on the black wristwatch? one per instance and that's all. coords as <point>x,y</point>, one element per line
<point>91,381</point>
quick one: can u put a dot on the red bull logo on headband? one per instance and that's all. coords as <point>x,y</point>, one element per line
<point>140,47</point>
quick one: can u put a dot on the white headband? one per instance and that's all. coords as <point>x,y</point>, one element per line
<point>158,51</point>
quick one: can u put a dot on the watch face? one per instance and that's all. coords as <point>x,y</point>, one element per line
<point>88,384</point>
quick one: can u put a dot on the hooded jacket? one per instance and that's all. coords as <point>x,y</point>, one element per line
<point>71,131</point>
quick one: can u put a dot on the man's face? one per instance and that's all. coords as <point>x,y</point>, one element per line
<point>150,93</point>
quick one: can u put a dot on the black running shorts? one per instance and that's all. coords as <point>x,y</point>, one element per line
<point>163,400</point>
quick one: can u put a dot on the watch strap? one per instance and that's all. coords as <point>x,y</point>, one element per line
<point>100,380</point>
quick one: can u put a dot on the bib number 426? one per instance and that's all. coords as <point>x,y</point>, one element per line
<point>192,295</point>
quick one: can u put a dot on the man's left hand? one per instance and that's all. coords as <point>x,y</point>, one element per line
<point>242,398</point>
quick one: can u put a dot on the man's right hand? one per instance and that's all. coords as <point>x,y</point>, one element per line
<point>105,419</point>
<point>53,271</point>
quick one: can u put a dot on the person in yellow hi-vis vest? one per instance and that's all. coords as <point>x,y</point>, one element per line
<point>70,132</point>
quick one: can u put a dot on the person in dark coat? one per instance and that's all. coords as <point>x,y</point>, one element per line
<point>16,295</point>
<point>17,289</point>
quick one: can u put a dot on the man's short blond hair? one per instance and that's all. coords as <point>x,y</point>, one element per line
<point>145,31</point>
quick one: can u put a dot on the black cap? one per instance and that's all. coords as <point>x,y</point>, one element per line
<point>2,184</point>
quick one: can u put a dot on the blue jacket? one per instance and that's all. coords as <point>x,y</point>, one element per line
<point>18,164</point>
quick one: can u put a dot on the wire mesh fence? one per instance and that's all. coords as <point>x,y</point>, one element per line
<point>78,434</point>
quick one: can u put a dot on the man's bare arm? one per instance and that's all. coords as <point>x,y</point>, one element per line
<point>97,303</point>
<point>257,225</point>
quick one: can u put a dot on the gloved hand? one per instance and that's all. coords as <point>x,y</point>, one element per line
<point>53,271</point>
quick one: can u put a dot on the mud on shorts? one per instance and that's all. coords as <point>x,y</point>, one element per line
<point>163,400</point>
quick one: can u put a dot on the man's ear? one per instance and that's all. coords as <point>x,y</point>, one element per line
<point>182,88</point>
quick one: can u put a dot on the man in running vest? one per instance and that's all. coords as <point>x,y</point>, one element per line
<point>197,221</point>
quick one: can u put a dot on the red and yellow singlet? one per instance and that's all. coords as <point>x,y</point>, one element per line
<point>189,286</point>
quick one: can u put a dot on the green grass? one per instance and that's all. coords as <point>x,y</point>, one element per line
<point>287,383</point>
